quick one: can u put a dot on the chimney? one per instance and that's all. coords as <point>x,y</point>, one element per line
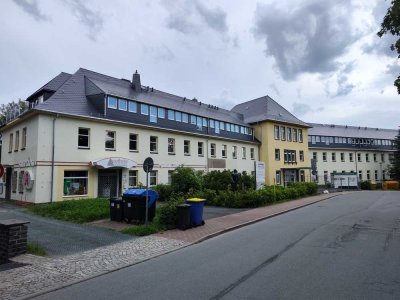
<point>136,82</point>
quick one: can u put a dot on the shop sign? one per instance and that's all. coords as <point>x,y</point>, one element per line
<point>114,162</point>
<point>27,163</point>
<point>28,180</point>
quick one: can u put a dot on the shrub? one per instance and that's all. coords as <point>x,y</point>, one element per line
<point>365,185</point>
<point>164,191</point>
<point>168,212</point>
<point>185,180</point>
<point>217,180</point>
<point>247,182</point>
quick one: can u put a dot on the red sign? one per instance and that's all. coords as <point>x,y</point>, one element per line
<point>1,170</point>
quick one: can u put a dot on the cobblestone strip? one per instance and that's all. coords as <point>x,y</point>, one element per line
<point>46,273</point>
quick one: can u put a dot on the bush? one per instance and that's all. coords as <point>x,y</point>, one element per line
<point>164,191</point>
<point>365,185</point>
<point>186,180</point>
<point>168,212</point>
<point>247,182</point>
<point>217,180</point>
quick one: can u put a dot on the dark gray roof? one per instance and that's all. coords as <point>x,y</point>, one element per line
<point>53,85</point>
<point>71,97</point>
<point>352,131</point>
<point>266,109</point>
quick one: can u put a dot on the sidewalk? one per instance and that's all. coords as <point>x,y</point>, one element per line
<point>38,275</point>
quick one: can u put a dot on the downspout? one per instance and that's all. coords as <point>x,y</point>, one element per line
<point>52,158</point>
<point>355,159</point>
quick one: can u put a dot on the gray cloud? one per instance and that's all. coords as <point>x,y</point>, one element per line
<point>393,69</point>
<point>91,19</point>
<point>308,39</point>
<point>31,8</point>
<point>300,109</point>
<point>344,87</point>
<point>189,17</point>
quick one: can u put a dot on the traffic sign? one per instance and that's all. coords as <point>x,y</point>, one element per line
<point>148,165</point>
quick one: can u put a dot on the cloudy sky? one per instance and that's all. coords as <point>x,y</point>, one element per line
<point>321,60</point>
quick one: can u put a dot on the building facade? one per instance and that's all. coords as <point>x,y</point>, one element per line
<point>348,149</point>
<point>87,135</point>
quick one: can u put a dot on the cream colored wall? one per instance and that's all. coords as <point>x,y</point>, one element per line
<point>348,166</point>
<point>265,133</point>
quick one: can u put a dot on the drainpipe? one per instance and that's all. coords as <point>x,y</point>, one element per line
<point>356,159</point>
<point>52,158</point>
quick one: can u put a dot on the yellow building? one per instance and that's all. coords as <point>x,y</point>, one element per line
<point>283,137</point>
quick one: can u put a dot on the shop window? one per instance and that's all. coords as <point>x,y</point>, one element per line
<point>171,146</point>
<point>110,140</point>
<point>186,147</point>
<point>21,182</point>
<point>200,149</point>
<point>14,181</point>
<point>75,183</point>
<point>212,149</point>
<point>133,142</point>
<point>133,178</point>
<point>23,146</point>
<point>83,137</point>
<point>153,178</point>
<point>153,144</point>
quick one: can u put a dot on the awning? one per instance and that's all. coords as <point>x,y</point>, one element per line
<point>113,162</point>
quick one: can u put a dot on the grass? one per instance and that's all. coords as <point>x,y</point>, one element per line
<point>142,230</point>
<point>35,249</point>
<point>77,211</point>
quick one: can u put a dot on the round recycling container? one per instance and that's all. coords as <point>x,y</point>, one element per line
<point>196,211</point>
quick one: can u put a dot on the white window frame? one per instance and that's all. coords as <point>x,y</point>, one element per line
<point>86,135</point>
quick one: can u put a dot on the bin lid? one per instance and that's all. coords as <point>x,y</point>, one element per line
<point>196,200</point>
<point>153,195</point>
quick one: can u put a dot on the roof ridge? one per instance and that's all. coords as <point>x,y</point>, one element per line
<point>353,126</point>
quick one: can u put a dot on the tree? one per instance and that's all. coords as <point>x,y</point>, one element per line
<point>394,169</point>
<point>12,109</point>
<point>391,24</point>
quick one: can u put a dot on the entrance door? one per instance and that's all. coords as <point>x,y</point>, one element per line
<point>290,176</point>
<point>108,183</point>
<point>8,183</point>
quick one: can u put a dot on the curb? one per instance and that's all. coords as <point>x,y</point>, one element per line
<point>49,290</point>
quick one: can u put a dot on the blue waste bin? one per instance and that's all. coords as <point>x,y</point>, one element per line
<point>196,211</point>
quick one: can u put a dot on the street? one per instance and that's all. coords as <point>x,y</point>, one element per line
<point>344,247</point>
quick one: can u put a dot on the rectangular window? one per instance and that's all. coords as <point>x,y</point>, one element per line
<point>83,137</point>
<point>277,154</point>
<point>318,139</point>
<point>186,147</point>
<point>153,144</point>
<point>212,150</point>
<point>283,133</point>
<point>75,183</point>
<point>199,123</point>
<point>171,115</point>
<point>241,129</point>
<point>16,140</point>
<point>289,134</point>
<point>133,178</point>
<point>153,114</point>
<point>376,174</point>
<point>358,156</point>
<point>212,125</point>
<point>144,109</point>
<point>170,176</point>
<point>294,131</point>
<point>244,152</point>
<point>276,132</point>
<point>204,122</point>
<point>382,157</point>
<point>360,174</point>
<point>367,157</point>
<point>133,142</point>
<point>112,102</point>
<point>200,149</point>
<point>23,146</point>
<point>171,146</point>
<point>10,144</point>
<point>223,150</point>
<point>132,107</point>
<point>252,153</point>
<point>178,116</point>
<point>342,157</point>
<point>122,104</point>
<point>278,177</point>
<point>368,175</point>
<point>110,140</point>
<point>21,182</point>
<point>234,152</point>
<point>314,155</point>
<point>325,176</point>
<point>300,135</point>
<point>351,157</point>
<point>237,128</point>
<point>193,120</point>
<point>216,127</point>
<point>185,118</point>
<point>333,156</point>
<point>301,154</point>
<point>375,157</point>
<point>153,178</point>
<point>221,125</point>
<point>324,156</point>
<point>228,127</point>
<point>161,112</point>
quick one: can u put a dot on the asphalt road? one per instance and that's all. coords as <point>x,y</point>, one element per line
<point>346,247</point>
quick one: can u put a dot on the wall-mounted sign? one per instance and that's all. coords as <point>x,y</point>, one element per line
<point>27,163</point>
<point>28,180</point>
<point>114,162</point>
<point>260,174</point>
